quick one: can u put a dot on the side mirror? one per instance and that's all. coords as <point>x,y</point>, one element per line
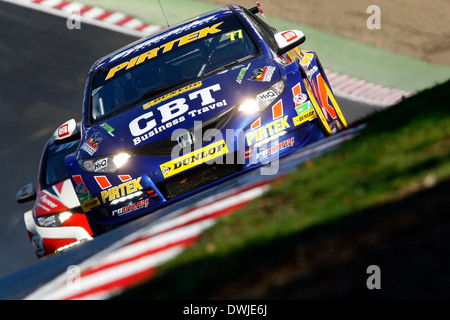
<point>66,132</point>
<point>27,193</point>
<point>288,40</point>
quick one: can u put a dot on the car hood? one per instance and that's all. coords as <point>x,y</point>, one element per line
<point>180,108</point>
<point>57,198</point>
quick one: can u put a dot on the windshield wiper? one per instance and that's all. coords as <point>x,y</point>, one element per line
<point>152,93</point>
<point>228,65</point>
<point>160,90</point>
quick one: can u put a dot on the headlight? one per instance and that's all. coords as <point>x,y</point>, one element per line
<point>107,164</point>
<point>263,99</point>
<point>53,220</point>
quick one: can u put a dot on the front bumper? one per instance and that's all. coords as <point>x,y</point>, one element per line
<point>144,188</point>
<point>50,240</point>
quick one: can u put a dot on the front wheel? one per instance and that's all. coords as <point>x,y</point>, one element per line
<point>338,123</point>
<point>341,123</point>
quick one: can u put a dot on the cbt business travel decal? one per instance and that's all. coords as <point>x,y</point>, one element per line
<point>173,113</point>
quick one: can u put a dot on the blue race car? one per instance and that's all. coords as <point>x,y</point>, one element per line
<point>193,105</point>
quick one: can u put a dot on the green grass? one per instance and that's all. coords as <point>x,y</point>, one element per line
<point>403,150</point>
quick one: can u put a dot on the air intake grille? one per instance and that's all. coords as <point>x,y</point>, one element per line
<point>196,178</point>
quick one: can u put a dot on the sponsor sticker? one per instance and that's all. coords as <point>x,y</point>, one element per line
<point>89,204</point>
<point>84,197</point>
<point>263,74</point>
<point>141,46</point>
<point>310,73</point>
<point>300,98</point>
<point>131,207</point>
<point>303,108</point>
<point>172,94</point>
<point>264,132</point>
<point>173,113</point>
<point>267,95</point>
<point>166,47</point>
<point>80,185</point>
<point>100,164</point>
<point>121,190</point>
<point>306,116</point>
<point>289,35</point>
<point>63,130</point>
<point>83,194</point>
<point>91,146</point>
<point>194,158</point>
<point>274,148</point>
<point>165,170</point>
<point>108,128</point>
<point>45,202</point>
<point>242,73</point>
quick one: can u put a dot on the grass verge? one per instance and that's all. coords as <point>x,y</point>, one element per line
<point>402,153</point>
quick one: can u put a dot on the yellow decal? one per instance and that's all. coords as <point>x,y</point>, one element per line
<point>199,34</point>
<point>194,158</point>
<point>231,35</point>
<point>121,190</point>
<point>267,130</point>
<point>304,56</point>
<point>325,93</point>
<point>89,204</point>
<point>172,94</point>
<point>317,108</point>
<point>305,116</point>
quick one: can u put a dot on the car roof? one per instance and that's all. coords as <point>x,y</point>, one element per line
<point>164,35</point>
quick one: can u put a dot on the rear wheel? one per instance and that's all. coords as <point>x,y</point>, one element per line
<point>334,126</point>
<point>326,129</point>
<point>320,115</point>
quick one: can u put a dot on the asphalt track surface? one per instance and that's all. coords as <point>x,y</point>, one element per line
<point>43,68</point>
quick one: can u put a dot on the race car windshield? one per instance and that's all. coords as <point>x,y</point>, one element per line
<point>192,55</point>
<point>55,168</point>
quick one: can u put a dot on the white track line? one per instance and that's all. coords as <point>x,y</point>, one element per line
<point>157,236</point>
<point>90,16</point>
<point>110,275</point>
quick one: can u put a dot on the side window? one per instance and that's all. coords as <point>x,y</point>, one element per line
<point>266,31</point>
